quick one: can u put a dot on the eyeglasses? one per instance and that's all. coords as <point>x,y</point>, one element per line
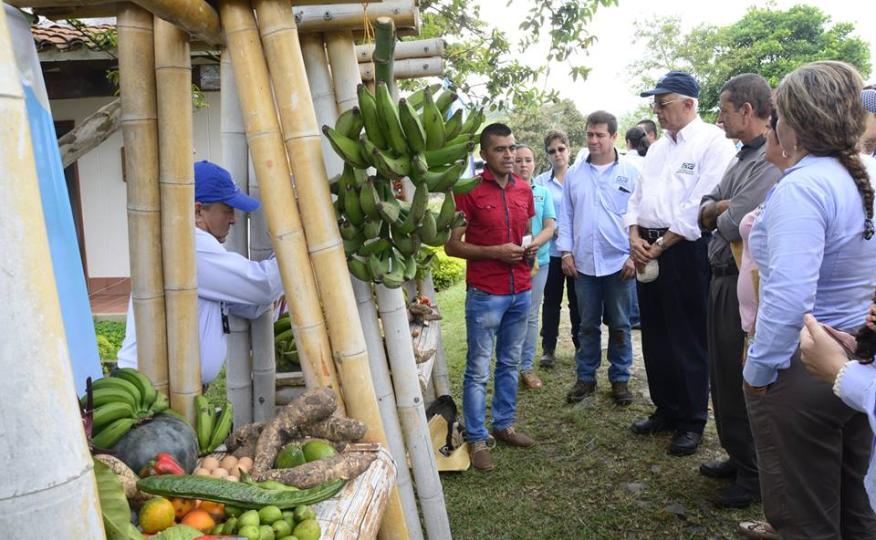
<point>552,151</point>
<point>662,105</point>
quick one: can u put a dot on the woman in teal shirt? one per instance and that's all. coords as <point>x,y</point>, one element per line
<point>543,224</point>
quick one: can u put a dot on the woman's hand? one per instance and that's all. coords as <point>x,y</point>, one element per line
<point>821,354</point>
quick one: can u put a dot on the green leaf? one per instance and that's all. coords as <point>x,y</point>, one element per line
<point>178,532</point>
<point>114,506</point>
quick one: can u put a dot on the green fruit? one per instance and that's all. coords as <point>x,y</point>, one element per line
<point>303,511</point>
<point>230,526</point>
<point>316,449</point>
<point>270,514</point>
<point>218,529</point>
<point>249,518</point>
<point>290,456</point>
<point>307,530</point>
<point>289,515</point>
<point>266,532</point>
<point>290,537</point>
<point>250,532</point>
<point>281,528</point>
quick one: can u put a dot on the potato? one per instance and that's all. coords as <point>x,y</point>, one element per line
<point>219,473</point>
<point>233,478</point>
<point>200,471</point>
<point>210,463</point>
<point>244,464</point>
<point>229,463</point>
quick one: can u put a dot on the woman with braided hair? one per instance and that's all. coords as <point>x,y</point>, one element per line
<point>812,244</point>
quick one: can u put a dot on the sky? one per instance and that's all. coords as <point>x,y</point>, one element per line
<point>608,86</point>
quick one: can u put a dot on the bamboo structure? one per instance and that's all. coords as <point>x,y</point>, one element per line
<point>140,133</point>
<point>408,68</point>
<point>46,492</point>
<point>238,362</point>
<point>320,81</point>
<point>173,78</point>
<point>421,48</point>
<point>345,78</point>
<point>303,146</point>
<point>273,175</point>
<point>411,410</point>
<point>440,373</point>
<point>264,368</point>
<point>350,16</point>
<point>196,17</point>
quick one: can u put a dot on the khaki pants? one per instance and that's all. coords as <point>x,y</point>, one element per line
<point>812,452</point>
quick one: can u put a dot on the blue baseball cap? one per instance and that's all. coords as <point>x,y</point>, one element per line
<point>214,184</point>
<point>675,82</point>
<point>869,99</point>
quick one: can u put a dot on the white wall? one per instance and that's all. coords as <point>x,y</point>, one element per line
<point>102,191</point>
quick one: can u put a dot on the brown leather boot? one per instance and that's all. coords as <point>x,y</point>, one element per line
<point>514,438</point>
<point>480,456</point>
<point>620,392</point>
<point>530,380</point>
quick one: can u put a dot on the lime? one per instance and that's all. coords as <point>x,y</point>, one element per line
<point>289,516</point>
<point>230,526</point>
<point>307,530</point>
<point>250,532</point>
<point>248,518</point>
<point>290,456</point>
<point>266,532</point>
<point>316,449</point>
<point>282,528</point>
<point>269,514</point>
<point>233,511</point>
<point>302,512</point>
<point>218,529</point>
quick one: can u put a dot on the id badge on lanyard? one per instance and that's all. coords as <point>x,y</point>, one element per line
<point>226,327</point>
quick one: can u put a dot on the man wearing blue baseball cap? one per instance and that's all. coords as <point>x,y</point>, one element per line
<point>868,139</point>
<point>679,169</point>
<point>228,283</point>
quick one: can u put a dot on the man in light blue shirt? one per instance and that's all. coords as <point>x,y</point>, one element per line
<point>595,250</point>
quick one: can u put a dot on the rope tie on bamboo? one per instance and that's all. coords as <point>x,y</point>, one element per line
<point>368,36</point>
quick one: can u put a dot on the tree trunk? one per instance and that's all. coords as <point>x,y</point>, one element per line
<point>92,131</point>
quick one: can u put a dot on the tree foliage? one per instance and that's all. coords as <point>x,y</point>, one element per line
<point>766,41</point>
<point>481,61</point>
<point>531,126</point>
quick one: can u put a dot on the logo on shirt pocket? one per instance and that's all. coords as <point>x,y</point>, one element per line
<point>686,168</point>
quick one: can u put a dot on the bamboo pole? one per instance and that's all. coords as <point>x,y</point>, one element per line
<point>320,81</point>
<point>272,172</point>
<point>264,368</point>
<point>350,16</point>
<point>440,373</point>
<point>139,121</point>
<point>303,146</point>
<point>260,247</point>
<point>238,363</point>
<point>196,17</point>
<point>421,48</point>
<point>173,78</point>
<point>409,68</point>
<point>411,410</point>
<point>342,59</point>
<point>45,493</point>
<point>346,80</point>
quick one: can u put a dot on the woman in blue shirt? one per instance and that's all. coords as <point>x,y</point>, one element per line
<point>812,246</point>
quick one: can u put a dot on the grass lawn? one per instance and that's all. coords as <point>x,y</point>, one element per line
<point>588,477</point>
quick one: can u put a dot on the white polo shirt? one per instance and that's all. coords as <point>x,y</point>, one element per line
<point>676,174</point>
<point>226,280</point>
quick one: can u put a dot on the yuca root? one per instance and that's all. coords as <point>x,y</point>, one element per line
<point>312,406</point>
<point>335,428</point>
<point>244,435</point>
<point>344,466</point>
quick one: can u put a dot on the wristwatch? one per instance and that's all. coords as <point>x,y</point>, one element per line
<point>661,242</point>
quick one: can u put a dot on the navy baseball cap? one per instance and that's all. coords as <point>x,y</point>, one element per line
<point>675,82</point>
<point>869,99</point>
<point>214,184</point>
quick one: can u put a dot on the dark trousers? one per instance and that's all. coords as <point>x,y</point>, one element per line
<point>812,452</point>
<point>673,311</point>
<point>553,302</point>
<point>726,340</point>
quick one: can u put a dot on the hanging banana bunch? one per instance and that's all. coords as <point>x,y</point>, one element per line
<point>414,138</point>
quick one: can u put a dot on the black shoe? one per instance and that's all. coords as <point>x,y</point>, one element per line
<point>720,469</point>
<point>651,426</point>
<point>547,359</point>
<point>685,443</point>
<point>581,390</point>
<point>735,496</point>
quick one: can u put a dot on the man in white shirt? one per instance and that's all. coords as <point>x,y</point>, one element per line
<point>679,169</point>
<point>228,283</point>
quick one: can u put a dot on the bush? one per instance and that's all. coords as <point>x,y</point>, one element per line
<point>109,338</point>
<point>446,271</point>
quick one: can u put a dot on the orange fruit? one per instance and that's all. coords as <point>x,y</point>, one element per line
<point>182,507</point>
<point>156,515</point>
<point>216,510</point>
<point>199,519</point>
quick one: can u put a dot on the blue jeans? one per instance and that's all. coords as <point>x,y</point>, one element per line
<point>491,317</point>
<point>528,355</point>
<point>613,295</point>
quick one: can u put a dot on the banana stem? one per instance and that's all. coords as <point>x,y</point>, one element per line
<point>384,52</point>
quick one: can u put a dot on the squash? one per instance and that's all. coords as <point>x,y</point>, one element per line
<point>163,433</point>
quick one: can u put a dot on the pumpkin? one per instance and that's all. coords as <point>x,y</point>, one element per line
<point>163,433</point>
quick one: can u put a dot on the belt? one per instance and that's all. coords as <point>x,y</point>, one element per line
<point>724,270</point>
<point>652,234</point>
